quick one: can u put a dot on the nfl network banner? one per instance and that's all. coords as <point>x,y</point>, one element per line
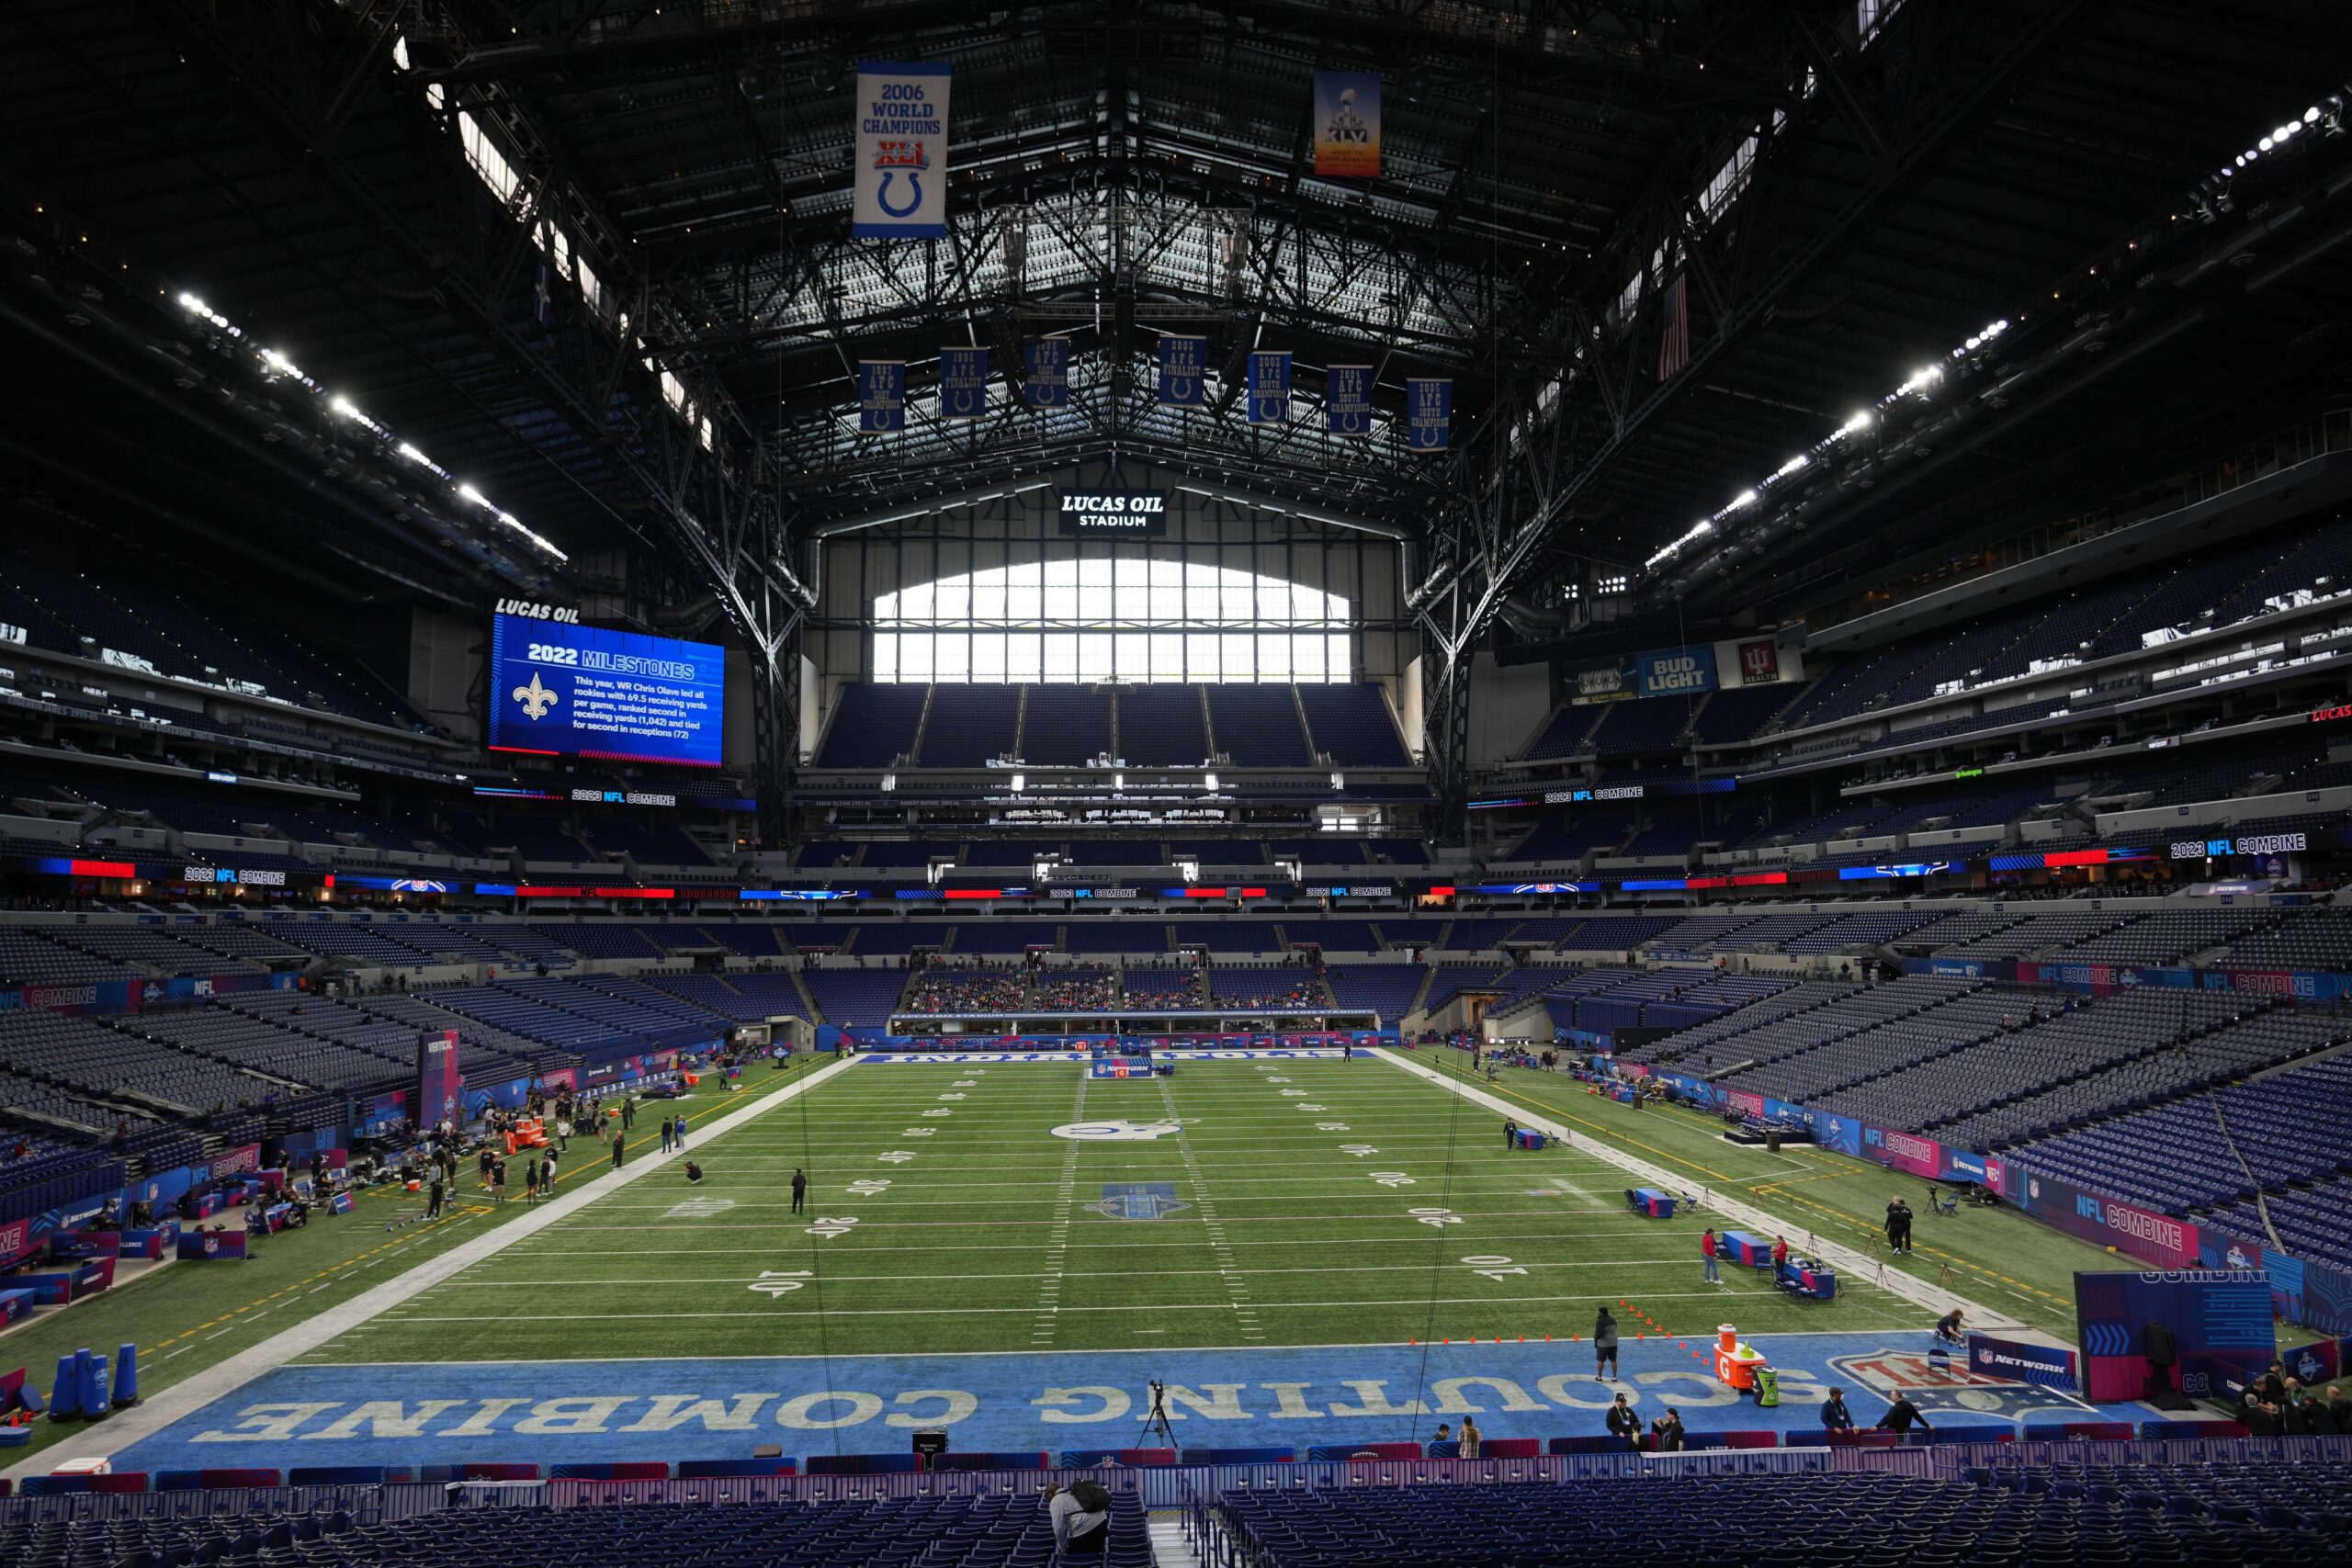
<point>1269,387</point>
<point>1347,399</point>
<point>901,151</point>
<point>1183,371</point>
<point>1044,372</point>
<point>2046,1366</point>
<point>1347,124</point>
<point>1429,412</point>
<point>881,396</point>
<point>963,383</point>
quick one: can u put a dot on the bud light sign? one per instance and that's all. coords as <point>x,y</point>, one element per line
<point>1676,672</point>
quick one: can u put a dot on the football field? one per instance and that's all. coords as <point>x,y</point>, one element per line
<point>1023,1206</point>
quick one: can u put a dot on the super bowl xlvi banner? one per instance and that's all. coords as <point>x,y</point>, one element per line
<point>881,396</point>
<point>900,151</point>
<point>1347,400</point>
<point>1269,387</point>
<point>1347,124</point>
<point>1183,371</point>
<point>1429,412</point>
<point>1044,372</point>
<point>963,383</point>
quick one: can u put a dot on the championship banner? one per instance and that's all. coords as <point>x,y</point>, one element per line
<point>1429,412</point>
<point>440,1089</point>
<point>1347,399</point>
<point>1183,371</point>
<point>901,151</point>
<point>1044,372</point>
<point>963,383</point>
<point>1347,123</point>
<point>1269,387</point>
<point>881,396</point>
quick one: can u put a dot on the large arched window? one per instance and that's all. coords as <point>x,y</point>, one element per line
<point>1116,619</point>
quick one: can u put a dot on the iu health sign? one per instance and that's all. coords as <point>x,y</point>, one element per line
<point>562,691</point>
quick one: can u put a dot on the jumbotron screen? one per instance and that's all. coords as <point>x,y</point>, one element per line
<point>571,690</point>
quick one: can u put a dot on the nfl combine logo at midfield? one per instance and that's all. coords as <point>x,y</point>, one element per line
<point>1138,1201</point>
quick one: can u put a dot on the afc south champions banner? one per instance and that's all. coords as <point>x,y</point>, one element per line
<point>963,383</point>
<point>881,396</point>
<point>1347,399</point>
<point>1044,372</point>
<point>1347,123</point>
<point>1269,387</point>
<point>1183,371</point>
<point>900,189</point>
<point>1429,412</point>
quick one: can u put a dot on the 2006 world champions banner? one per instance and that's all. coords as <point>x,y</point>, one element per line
<point>963,383</point>
<point>1269,387</point>
<point>1044,372</point>
<point>900,151</point>
<point>1183,371</point>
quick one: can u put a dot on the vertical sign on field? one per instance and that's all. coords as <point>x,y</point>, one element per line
<point>1269,387</point>
<point>1347,124</point>
<point>1429,412</point>
<point>900,151</point>
<point>1044,372</point>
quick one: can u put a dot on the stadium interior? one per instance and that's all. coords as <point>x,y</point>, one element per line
<point>1037,619</point>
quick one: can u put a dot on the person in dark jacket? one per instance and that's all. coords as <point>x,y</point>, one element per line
<point>619,1146</point>
<point>1902,1416</point>
<point>1604,1347</point>
<point>1665,1432</point>
<point>1834,1416</point>
<point>1623,1423</point>
<point>799,1189</point>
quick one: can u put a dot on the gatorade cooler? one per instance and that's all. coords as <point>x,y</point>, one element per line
<point>1767,1387</point>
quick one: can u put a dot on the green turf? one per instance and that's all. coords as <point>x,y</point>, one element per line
<point>1997,1256</point>
<point>184,1317</point>
<point>984,1238</point>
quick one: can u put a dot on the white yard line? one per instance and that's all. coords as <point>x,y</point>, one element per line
<point>1850,1265</point>
<point>187,1397</point>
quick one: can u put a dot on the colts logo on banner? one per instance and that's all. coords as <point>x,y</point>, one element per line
<point>901,152</point>
<point>963,383</point>
<point>881,396</point>
<point>1044,372</point>
<point>1184,372</point>
<point>1429,412</point>
<point>1269,387</point>
<point>1347,399</point>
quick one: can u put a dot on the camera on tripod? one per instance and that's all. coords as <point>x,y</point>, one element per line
<point>1155,1420</point>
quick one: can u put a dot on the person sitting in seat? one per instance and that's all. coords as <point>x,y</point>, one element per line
<point>1082,1520</point>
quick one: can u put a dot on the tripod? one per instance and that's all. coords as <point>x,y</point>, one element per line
<point>1155,1420</point>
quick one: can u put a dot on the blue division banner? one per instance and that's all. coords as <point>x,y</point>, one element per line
<point>1347,399</point>
<point>1429,412</point>
<point>566,691</point>
<point>1044,372</point>
<point>963,383</point>
<point>901,191</point>
<point>881,396</point>
<point>1183,371</point>
<point>1269,387</point>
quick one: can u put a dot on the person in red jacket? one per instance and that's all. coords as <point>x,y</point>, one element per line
<point>1707,1251</point>
<point>1779,1253</point>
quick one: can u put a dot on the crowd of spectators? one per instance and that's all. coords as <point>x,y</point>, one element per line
<point>1086,988</point>
<point>987,988</point>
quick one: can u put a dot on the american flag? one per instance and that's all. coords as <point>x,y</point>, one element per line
<point>1674,333</point>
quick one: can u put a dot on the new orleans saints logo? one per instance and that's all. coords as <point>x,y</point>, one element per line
<point>535,699</point>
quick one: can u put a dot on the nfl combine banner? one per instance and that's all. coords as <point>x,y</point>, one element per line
<point>1269,387</point>
<point>1044,372</point>
<point>963,383</point>
<point>440,1089</point>
<point>1347,124</point>
<point>881,396</point>
<point>1347,399</point>
<point>1429,412</point>
<point>1183,371</point>
<point>901,151</point>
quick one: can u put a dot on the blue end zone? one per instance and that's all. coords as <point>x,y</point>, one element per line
<point>574,1412</point>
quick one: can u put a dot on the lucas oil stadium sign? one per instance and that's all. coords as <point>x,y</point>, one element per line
<point>1133,513</point>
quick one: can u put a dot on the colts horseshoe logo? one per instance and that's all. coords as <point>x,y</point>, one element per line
<point>890,158</point>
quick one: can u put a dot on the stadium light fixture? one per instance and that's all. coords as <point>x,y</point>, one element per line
<point>1791,466</point>
<point>342,406</point>
<point>1859,421</point>
<point>413,455</point>
<point>468,493</point>
<point>1744,498</point>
